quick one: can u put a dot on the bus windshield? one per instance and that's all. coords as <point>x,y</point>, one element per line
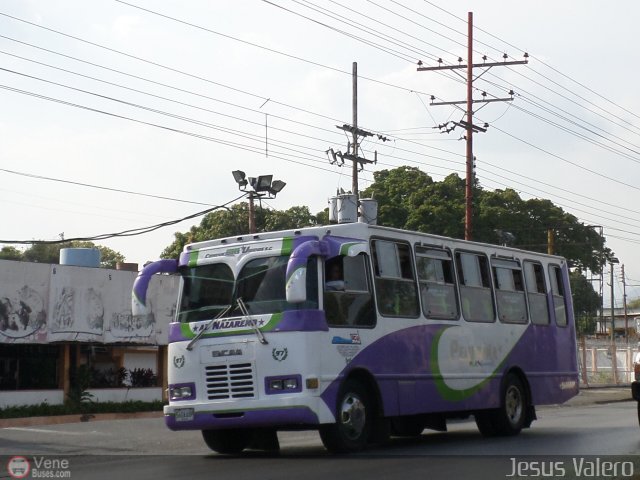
<point>210,289</point>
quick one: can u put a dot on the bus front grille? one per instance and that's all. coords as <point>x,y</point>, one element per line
<point>229,381</point>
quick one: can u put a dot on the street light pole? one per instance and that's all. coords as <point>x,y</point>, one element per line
<point>252,214</point>
<point>259,187</point>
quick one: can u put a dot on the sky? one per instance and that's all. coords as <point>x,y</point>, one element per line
<point>122,115</point>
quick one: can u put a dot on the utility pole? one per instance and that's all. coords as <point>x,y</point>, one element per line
<point>354,141</point>
<point>338,158</point>
<point>468,125</point>
<point>624,300</point>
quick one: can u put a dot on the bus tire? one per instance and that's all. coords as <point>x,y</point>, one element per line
<point>510,418</point>
<point>354,419</point>
<point>512,415</point>
<point>227,442</point>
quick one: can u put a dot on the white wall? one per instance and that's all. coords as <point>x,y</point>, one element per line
<point>31,397</point>
<point>141,360</point>
<point>126,394</point>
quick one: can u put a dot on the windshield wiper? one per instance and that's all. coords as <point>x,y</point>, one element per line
<point>252,321</point>
<point>201,332</point>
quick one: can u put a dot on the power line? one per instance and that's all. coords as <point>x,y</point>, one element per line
<point>294,57</point>
<point>188,91</point>
<point>620,182</point>
<point>125,233</point>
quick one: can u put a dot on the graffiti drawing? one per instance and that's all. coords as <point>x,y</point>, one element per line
<point>22,314</point>
<point>63,309</point>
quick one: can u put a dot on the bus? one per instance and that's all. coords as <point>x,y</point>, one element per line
<point>361,332</point>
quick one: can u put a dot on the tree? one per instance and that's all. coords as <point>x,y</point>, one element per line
<point>234,222</point>
<point>586,303</point>
<point>10,253</point>
<point>635,303</point>
<point>409,198</point>
<point>50,253</point>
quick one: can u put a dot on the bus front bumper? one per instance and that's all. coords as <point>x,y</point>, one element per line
<point>186,418</point>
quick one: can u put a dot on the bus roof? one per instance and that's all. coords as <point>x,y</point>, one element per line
<point>355,230</point>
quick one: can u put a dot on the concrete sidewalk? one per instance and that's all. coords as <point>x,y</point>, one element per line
<point>600,395</point>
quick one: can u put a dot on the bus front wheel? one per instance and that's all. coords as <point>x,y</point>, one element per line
<point>510,418</point>
<point>227,441</point>
<point>354,415</point>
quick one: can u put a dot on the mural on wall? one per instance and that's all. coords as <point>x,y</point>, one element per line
<point>24,294</point>
<point>22,314</point>
<point>78,310</point>
<point>51,303</point>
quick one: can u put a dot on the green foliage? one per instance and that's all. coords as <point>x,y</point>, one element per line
<point>635,303</point>
<point>143,377</point>
<point>10,253</point>
<point>235,222</point>
<point>586,303</point>
<point>409,198</point>
<point>50,253</point>
<point>44,409</point>
<point>78,396</point>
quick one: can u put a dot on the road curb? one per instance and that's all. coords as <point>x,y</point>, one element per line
<point>77,418</point>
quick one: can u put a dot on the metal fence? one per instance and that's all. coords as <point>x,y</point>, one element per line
<point>597,365</point>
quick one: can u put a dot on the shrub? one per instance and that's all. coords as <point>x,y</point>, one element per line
<point>44,409</point>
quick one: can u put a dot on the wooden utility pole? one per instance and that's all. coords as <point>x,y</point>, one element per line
<point>468,194</point>
<point>468,125</point>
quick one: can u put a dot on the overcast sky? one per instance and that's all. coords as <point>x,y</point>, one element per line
<point>104,94</point>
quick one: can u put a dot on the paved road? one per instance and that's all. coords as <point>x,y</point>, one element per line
<point>144,448</point>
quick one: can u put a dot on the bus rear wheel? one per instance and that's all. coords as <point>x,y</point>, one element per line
<point>354,416</point>
<point>511,417</point>
<point>227,441</point>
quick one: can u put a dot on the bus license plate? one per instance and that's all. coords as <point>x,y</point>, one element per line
<point>184,414</point>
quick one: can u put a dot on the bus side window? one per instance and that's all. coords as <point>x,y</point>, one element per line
<point>475,287</point>
<point>536,293</point>
<point>437,283</point>
<point>348,300</point>
<point>510,297</point>
<point>395,281</point>
<point>558,294</point>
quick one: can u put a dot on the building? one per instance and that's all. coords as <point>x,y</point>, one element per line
<point>60,322</point>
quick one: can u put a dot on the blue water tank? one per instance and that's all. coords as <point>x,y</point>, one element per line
<point>80,257</point>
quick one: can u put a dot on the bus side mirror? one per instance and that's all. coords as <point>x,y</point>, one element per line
<point>296,288</point>
<point>139,305</point>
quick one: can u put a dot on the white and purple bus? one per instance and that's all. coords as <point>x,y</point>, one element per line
<point>362,332</point>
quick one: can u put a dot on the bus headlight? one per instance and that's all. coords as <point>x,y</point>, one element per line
<point>182,391</point>
<point>283,384</point>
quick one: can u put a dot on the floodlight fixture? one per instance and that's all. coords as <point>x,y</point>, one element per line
<point>263,184</point>
<point>240,178</point>
<point>276,187</point>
